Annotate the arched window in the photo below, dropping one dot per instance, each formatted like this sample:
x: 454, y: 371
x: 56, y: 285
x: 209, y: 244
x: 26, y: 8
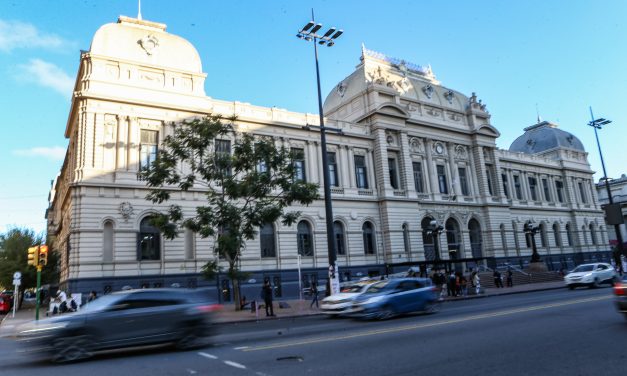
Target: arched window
x: 340, y: 243
x: 543, y: 241
x: 593, y: 234
x: 304, y: 239
x: 148, y: 241
x: 107, y: 242
x: 503, y: 237
x: 266, y: 240
x: 368, y: 235
x: 427, y: 240
x: 406, y: 241
x: 476, y: 241
x: 189, y: 244
x: 569, y: 235
x: 557, y: 235
x: 452, y: 238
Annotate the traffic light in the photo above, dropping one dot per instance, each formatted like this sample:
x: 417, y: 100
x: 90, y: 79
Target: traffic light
x: 33, y: 256
x: 43, y: 255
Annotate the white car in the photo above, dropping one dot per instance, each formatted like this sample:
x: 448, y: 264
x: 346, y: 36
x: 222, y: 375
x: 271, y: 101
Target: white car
x: 342, y: 303
x: 591, y: 275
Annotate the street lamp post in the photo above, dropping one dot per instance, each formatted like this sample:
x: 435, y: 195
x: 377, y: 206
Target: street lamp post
x: 597, y: 124
x: 531, y: 230
x: 309, y: 33
x: 435, y: 230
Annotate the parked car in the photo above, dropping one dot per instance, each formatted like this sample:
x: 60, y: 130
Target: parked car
x: 342, y: 303
x: 123, y: 319
x: 591, y: 275
x: 393, y: 297
x: 6, y: 303
x: 620, y: 295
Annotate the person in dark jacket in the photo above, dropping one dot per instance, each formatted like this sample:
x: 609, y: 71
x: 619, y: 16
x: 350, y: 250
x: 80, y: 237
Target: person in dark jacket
x: 266, y: 292
x: 498, y: 282
x: 314, y: 294
x: 510, y: 279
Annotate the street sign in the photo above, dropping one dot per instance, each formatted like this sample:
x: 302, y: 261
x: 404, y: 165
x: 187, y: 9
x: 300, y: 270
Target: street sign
x: 17, y: 275
x: 17, y: 282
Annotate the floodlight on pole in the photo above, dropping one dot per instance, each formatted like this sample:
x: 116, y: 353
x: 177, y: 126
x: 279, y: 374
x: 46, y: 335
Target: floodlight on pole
x: 308, y: 33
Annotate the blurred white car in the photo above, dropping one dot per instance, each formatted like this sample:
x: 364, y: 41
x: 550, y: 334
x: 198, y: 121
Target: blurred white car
x: 342, y: 303
x: 591, y: 275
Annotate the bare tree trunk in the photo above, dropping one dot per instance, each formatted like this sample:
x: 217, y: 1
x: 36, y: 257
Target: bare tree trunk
x: 236, y: 293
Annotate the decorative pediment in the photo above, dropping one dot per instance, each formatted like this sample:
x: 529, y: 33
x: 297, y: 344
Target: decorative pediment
x: 393, y: 109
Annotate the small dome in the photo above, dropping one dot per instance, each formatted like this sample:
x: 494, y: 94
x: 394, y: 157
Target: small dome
x: 145, y: 42
x: 545, y: 136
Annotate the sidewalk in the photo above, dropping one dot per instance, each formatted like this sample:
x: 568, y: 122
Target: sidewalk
x: 291, y: 308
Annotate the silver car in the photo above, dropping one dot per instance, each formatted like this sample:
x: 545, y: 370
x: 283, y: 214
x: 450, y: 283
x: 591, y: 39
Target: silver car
x: 591, y: 275
x: 123, y: 319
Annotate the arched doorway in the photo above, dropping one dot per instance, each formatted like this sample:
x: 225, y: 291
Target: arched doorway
x: 453, y: 239
x: 476, y: 241
x: 427, y: 240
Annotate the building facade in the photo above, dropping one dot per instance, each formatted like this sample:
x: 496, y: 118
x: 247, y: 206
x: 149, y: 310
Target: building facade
x: 618, y: 187
x: 411, y: 151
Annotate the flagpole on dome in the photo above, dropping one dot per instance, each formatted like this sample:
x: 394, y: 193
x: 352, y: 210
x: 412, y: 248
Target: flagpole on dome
x: 139, y: 9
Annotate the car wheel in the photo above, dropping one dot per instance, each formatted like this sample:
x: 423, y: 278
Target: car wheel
x: 596, y: 283
x: 191, y: 339
x: 571, y: 287
x: 71, y: 349
x: 386, y: 313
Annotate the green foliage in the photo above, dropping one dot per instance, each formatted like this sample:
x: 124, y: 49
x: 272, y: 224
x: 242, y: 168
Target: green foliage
x: 14, y: 256
x: 252, y: 185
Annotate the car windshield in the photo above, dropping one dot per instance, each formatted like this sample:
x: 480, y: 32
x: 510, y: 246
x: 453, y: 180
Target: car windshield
x: 583, y: 268
x: 101, y: 303
x: 377, y: 287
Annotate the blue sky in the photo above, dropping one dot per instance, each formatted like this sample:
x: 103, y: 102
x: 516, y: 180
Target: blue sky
x: 558, y: 56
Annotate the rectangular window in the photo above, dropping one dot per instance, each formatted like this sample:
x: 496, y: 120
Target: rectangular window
x: 547, y: 191
x: 488, y: 173
x: 393, y: 172
x: 463, y: 181
x: 332, y: 162
x: 418, y: 181
x: 298, y: 158
x: 505, y: 185
x: 533, y: 188
x: 148, y: 148
x: 518, y: 187
x: 442, y: 179
x: 223, y: 156
x: 361, y: 173
x: 582, y: 192
x: 559, y: 187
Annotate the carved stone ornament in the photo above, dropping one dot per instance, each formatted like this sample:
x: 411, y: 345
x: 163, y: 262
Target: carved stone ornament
x: 403, y: 84
x: 389, y: 137
x: 341, y: 89
x: 415, y: 145
x: 453, y: 116
x: 149, y: 43
x: 449, y: 96
x: 126, y: 210
x: 428, y: 90
x: 433, y: 112
x: 439, y: 148
x: 461, y: 152
x: 379, y: 78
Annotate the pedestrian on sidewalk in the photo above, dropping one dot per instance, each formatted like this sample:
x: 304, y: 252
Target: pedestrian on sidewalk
x: 266, y: 292
x: 510, y: 279
x: 464, y: 284
x: 498, y: 282
x: 314, y: 293
x: 450, y: 287
x: 476, y: 282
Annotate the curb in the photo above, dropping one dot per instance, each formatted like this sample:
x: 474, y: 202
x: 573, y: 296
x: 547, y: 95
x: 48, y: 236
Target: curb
x: 481, y: 296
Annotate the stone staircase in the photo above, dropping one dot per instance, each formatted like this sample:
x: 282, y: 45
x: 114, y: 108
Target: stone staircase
x: 518, y: 278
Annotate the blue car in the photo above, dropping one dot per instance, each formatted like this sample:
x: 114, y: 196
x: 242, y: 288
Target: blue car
x: 393, y: 297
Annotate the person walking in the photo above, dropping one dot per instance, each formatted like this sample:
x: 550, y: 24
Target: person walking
x: 476, y: 282
x: 464, y: 284
x: 498, y: 282
x: 450, y: 291
x: 266, y: 292
x: 314, y: 294
x: 510, y: 279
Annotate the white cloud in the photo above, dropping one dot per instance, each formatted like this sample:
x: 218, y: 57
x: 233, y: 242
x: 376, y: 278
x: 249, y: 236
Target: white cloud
x: 48, y: 75
x: 54, y: 153
x: 16, y: 34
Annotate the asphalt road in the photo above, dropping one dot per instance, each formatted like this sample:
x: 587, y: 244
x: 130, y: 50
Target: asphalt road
x: 557, y: 332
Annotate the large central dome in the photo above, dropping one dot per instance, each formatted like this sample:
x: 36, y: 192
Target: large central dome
x: 545, y: 136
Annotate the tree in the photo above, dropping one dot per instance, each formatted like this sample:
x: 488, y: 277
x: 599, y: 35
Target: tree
x: 252, y: 184
x: 14, y: 246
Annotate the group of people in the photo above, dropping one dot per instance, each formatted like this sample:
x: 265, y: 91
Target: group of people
x: 498, y: 278
x: 63, y: 304
x: 457, y: 283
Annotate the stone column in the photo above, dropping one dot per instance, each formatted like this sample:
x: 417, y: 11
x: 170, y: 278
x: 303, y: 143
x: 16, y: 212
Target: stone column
x: 431, y: 170
x: 122, y: 143
x: 342, y: 161
x: 453, y: 167
x: 472, y: 174
x: 133, y: 141
x: 351, y: 167
x: 407, y: 170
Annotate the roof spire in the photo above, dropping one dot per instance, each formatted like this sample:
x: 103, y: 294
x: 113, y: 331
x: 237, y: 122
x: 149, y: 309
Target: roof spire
x: 538, y: 115
x: 139, y: 9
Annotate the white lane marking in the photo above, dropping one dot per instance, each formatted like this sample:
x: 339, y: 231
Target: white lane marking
x: 207, y: 355
x: 240, y: 348
x: 191, y: 371
x: 233, y: 364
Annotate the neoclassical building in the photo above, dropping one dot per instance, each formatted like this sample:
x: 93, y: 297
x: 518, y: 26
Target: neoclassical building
x: 411, y: 151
